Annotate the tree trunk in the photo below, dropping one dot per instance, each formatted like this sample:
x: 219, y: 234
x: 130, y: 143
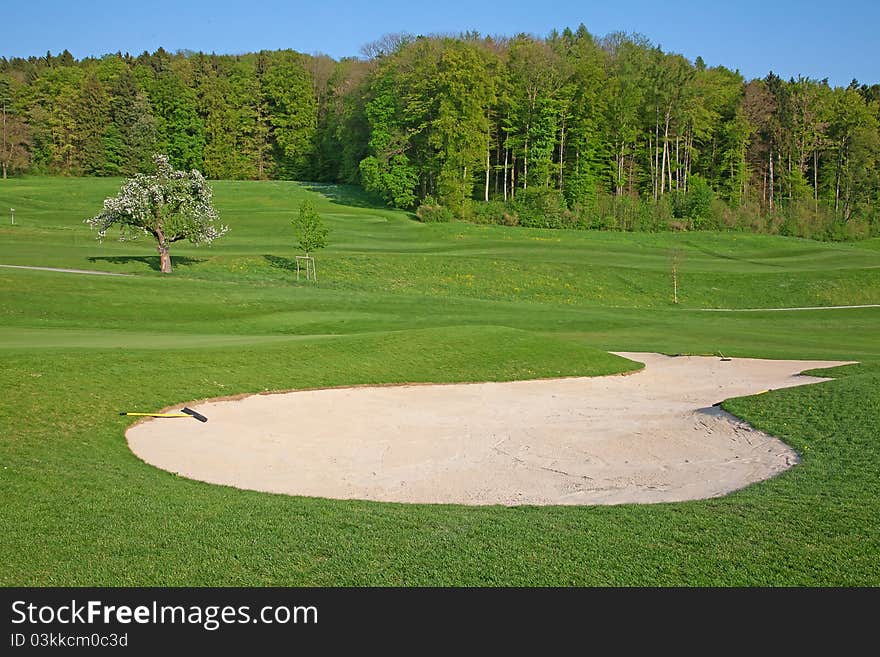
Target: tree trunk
x: 712, y: 175
x: 631, y: 177
x: 526, y: 160
x: 665, y: 148
x: 790, y: 191
x: 512, y: 176
x: 771, y: 179
x: 687, y: 159
x: 5, y: 148
x: 497, y: 160
x: 488, y: 160
x: 164, y: 254
x: 561, y: 150
x: 656, y: 152
x: 846, y: 189
x: 505, y: 173
x: 663, y: 170
x: 164, y: 259
x: 618, y: 185
x: 677, y: 160
x: 674, y: 283
x: 837, y: 179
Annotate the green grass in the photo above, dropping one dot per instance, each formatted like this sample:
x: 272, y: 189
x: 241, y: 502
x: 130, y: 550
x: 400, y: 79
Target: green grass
x: 383, y: 250
x: 399, y: 301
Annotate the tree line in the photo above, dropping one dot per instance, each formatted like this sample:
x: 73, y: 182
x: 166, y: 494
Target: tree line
x: 564, y: 131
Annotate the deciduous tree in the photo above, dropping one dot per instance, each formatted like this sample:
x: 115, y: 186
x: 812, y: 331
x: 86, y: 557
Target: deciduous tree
x: 311, y: 233
x: 14, y: 134
x: 167, y: 205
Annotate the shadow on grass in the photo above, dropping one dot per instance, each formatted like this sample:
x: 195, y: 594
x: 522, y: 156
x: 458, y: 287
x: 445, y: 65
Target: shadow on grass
x: 725, y: 256
x: 352, y: 196
x: 346, y: 195
x: 285, y: 264
x: 151, y: 261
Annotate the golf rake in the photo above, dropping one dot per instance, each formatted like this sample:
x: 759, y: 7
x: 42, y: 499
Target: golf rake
x: 184, y: 412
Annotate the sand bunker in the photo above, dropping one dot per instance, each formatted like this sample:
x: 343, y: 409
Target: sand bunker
x: 652, y: 436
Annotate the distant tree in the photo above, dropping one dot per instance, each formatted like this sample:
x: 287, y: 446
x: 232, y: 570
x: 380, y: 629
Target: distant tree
x: 621, y: 128
x: 459, y: 133
x: 168, y: 205
x: 92, y: 116
x: 311, y: 233
x: 536, y: 82
x: 51, y: 103
x: 387, y: 170
x: 180, y: 129
x: 856, y: 142
x: 131, y: 137
x: 292, y: 113
x: 14, y: 135
x: 386, y: 45
x: 759, y: 108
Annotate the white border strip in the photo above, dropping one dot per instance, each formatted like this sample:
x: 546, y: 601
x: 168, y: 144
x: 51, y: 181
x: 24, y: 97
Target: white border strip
x: 761, y: 310
x: 69, y: 271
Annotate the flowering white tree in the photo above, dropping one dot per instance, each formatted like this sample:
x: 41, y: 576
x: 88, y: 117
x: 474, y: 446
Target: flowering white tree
x: 168, y: 205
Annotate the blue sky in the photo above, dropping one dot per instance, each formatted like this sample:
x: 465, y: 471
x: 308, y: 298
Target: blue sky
x: 837, y: 40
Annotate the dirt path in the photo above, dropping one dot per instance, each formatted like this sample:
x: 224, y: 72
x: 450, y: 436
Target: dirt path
x: 67, y: 271
x: 761, y: 310
x: 653, y: 436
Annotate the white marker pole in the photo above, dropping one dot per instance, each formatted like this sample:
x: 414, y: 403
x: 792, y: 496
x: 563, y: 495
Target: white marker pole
x: 12, y: 210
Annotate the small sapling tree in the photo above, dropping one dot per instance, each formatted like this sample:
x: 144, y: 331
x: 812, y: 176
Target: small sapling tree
x: 167, y: 205
x: 311, y: 235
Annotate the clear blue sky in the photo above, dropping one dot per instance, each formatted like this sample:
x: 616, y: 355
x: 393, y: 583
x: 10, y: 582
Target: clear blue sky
x: 838, y: 40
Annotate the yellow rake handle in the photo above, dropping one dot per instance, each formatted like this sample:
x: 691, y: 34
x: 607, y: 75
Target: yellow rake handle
x: 159, y: 414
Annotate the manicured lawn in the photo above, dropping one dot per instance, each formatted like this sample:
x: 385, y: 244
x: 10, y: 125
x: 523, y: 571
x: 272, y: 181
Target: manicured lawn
x: 400, y: 301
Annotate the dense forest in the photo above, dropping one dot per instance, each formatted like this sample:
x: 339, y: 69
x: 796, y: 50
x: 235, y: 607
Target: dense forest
x: 565, y: 131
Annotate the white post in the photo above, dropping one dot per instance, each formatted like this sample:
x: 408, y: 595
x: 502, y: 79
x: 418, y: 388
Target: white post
x: 12, y: 211
x: 309, y: 263
x: 674, y: 284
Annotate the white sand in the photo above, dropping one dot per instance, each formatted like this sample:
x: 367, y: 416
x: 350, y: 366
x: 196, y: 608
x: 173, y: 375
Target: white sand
x: 652, y: 436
